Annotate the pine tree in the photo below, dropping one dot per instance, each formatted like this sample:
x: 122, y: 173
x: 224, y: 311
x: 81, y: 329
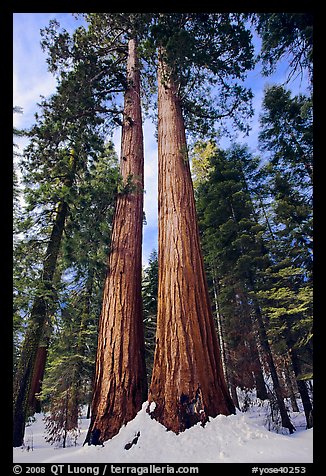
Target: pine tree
x: 61, y: 141
x: 37, y: 321
x: 69, y: 374
x: 287, y: 295
x: 85, y: 247
x: 229, y: 236
x: 60, y: 387
x: 287, y: 133
x: 234, y: 238
x: 286, y: 35
x: 149, y: 295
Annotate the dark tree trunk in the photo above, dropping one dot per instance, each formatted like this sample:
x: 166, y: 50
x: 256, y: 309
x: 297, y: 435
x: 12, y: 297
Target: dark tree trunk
x: 261, y: 390
x: 286, y: 422
x: 37, y: 378
x: 302, y: 387
x: 252, y: 339
x: 221, y: 339
x: 235, y: 396
x: 34, y: 332
x: 290, y: 388
x: 120, y: 375
x: 187, y: 384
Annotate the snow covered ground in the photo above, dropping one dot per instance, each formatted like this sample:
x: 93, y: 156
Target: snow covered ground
x: 240, y: 438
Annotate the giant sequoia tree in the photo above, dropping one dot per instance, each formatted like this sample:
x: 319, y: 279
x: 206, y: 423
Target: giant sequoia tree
x: 120, y: 385
x: 188, y: 384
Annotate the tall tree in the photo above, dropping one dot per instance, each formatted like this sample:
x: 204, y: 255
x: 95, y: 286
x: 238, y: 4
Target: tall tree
x: 84, y: 249
x: 286, y: 136
x: 37, y: 321
x: 234, y: 240
x: 287, y: 133
x: 120, y: 385
x: 229, y: 234
x: 188, y: 384
x: 62, y: 140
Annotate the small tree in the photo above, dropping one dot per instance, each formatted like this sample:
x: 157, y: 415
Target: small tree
x: 149, y: 294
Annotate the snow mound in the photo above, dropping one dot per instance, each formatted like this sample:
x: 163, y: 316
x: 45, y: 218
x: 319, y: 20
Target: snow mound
x: 232, y: 439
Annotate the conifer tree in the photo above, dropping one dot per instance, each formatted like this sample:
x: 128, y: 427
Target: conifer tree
x: 194, y: 51
x: 286, y: 137
x: 61, y: 142
x: 234, y: 238
x: 286, y: 35
x: 229, y: 236
x: 149, y: 295
x: 120, y: 385
x: 69, y: 374
x: 286, y: 133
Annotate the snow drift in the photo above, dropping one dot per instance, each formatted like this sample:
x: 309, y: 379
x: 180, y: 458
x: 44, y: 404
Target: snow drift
x: 240, y: 438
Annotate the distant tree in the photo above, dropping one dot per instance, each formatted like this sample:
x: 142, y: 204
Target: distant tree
x: 286, y: 137
x: 233, y: 237
x: 84, y: 250
x: 149, y: 294
x: 62, y: 387
x: 37, y: 319
x: 286, y: 133
x: 229, y: 231
x: 18, y: 255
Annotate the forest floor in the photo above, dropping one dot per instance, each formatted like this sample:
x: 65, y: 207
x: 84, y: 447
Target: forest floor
x: 246, y: 437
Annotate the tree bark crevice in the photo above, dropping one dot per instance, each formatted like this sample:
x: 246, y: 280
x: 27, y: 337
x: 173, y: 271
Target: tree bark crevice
x: 187, y: 360
x: 121, y: 384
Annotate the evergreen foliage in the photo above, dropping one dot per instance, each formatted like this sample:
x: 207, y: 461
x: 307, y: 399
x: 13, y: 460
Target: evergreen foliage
x: 70, y: 371
x: 209, y: 54
x: 286, y: 35
x: 149, y: 295
x: 64, y: 144
x: 233, y: 250
x: 255, y: 213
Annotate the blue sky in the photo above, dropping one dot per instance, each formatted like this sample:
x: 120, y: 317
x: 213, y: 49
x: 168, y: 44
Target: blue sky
x: 31, y: 79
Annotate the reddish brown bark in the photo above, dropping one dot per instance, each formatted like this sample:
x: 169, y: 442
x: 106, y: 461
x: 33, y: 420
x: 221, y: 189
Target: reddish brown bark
x: 120, y: 379
x: 187, y: 381
x: 37, y: 378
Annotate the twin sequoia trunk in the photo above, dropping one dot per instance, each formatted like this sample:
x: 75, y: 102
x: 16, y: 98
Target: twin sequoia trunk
x: 187, y: 382
x: 120, y: 380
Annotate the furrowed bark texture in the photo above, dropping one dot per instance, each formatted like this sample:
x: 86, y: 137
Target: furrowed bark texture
x: 120, y: 380
x: 187, y: 382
